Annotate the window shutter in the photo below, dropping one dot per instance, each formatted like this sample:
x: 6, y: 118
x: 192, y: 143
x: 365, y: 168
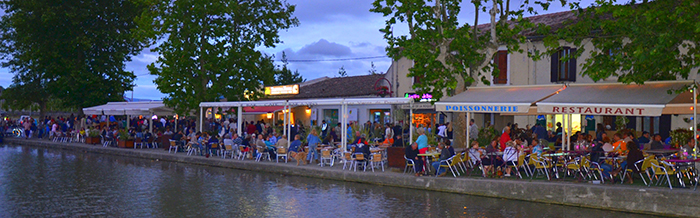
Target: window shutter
x: 572, y: 66
x: 555, y: 67
x: 501, y: 61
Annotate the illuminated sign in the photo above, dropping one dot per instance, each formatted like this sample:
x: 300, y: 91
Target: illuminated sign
x: 482, y: 108
x: 427, y: 97
x: 282, y: 90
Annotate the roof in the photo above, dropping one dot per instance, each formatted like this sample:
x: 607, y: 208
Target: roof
x: 554, y: 20
x: 337, y: 87
x: 130, y: 108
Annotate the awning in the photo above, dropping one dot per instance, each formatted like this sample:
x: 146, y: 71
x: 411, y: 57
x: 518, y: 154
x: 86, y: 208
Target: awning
x: 261, y: 109
x: 497, y: 99
x: 649, y: 99
x: 130, y: 108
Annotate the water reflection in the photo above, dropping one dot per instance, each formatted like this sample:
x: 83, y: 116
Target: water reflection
x: 46, y: 182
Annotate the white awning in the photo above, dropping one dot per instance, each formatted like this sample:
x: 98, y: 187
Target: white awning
x: 649, y: 99
x: 497, y: 99
x: 130, y: 108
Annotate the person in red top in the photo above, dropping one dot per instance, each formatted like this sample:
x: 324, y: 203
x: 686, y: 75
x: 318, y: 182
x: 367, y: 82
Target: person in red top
x: 505, y: 138
x: 250, y: 129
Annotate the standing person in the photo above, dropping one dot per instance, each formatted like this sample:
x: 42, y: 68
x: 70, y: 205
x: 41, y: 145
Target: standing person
x: 324, y: 129
x: 442, y: 131
x: 313, y: 142
x: 422, y: 141
x: 412, y: 154
x: 473, y: 130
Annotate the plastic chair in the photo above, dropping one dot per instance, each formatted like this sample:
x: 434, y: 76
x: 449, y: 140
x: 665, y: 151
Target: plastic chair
x: 326, y: 157
x: 348, y: 160
x: 137, y: 142
x: 242, y: 153
x: 282, y: 152
x: 173, y: 146
x: 191, y: 149
x: 541, y: 166
x: 228, y: 150
x: 360, y: 160
x: 450, y: 164
x: 409, y: 163
x: 661, y: 171
x: 214, y: 146
x: 630, y: 171
x: 521, y: 164
x: 376, y: 160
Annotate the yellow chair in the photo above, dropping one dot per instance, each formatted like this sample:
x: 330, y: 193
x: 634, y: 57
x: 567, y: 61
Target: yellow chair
x: 541, y: 166
x: 662, y: 170
x: 409, y: 163
x: 450, y: 163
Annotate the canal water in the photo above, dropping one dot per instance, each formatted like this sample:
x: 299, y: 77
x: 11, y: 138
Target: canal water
x: 37, y: 182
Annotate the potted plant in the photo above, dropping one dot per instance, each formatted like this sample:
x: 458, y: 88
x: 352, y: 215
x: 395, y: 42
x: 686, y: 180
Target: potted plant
x: 125, y: 140
x: 93, y: 137
x: 680, y: 137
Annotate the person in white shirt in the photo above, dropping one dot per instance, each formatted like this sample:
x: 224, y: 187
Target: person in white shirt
x: 442, y: 130
x: 510, y: 155
x: 388, y: 133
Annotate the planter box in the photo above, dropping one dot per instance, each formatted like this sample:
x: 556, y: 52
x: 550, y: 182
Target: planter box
x: 395, y: 156
x: 92, y: 140
x: 125, y: 144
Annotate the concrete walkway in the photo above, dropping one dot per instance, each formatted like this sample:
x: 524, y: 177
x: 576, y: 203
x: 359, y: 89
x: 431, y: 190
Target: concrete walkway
x: 629, y: 198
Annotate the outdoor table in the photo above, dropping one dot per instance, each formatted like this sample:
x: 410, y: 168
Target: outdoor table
x: 684, y: 164
x: 662, y: 152
x: 427, y: 160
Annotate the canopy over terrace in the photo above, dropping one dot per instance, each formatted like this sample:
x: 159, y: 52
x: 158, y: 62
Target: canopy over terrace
x: 618, y: 99
x: 498, y: 99
x: 131, y: 108
x: 343, y: 102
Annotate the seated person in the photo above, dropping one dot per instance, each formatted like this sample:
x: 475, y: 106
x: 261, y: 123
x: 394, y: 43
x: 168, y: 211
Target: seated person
x: 398, y: 142
x: 445, y: 154
x: 412, y: 154
x: 510, y: 156
x: 475, y: 153
x: 656, y: 144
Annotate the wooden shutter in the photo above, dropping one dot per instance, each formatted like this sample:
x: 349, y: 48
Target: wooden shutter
x: 572, y: 65
x: 501, y: 61
x: 555, y: 67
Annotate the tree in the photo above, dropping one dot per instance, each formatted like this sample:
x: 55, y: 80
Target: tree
x: 342, y: 72
x: 284, y: 76
x: 448, y: 55
x: 636, y: 41
x: 73, y: 50
x: 372, y: 69
x: 209, y: 51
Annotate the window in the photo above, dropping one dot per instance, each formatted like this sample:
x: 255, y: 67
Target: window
x: 563, y: 67
x: 500, y: 61
x: 417, y: 79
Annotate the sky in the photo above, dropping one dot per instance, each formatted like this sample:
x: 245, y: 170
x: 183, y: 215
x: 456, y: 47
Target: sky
x: 338, y: 29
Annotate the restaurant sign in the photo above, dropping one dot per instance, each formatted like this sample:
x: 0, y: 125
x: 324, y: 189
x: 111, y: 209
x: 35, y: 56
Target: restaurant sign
x: 647, y: 110
x: 482, y: 108
x: 282, y: 90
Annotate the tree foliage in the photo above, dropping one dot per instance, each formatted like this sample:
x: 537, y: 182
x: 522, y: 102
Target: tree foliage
x: 285, y: 76
x: 71, y: 50
x: 449, y: 54
x: 209, y: 50
x: 635, y: 41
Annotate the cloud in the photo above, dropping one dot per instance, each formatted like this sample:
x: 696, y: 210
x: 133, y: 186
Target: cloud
x: 325, y: 48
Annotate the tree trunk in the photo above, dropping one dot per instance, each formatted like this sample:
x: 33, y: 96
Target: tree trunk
x: 459, y: 124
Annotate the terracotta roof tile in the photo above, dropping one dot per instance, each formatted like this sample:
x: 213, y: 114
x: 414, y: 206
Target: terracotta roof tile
x: 338, y: 87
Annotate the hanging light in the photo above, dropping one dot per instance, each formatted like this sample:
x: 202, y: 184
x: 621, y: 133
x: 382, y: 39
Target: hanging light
x: 308, y: 110
x: 269, y: 115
